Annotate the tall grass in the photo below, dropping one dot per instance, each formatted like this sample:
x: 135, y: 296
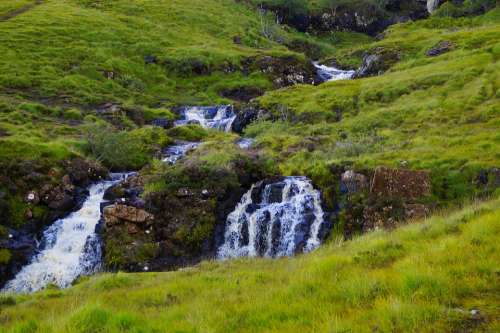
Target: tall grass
x: 423, y: 277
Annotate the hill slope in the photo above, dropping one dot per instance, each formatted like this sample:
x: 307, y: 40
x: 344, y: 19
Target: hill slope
x: 424, y: 277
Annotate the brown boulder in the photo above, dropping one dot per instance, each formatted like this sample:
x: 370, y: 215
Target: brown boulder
x: 116, y: 213
x: 55, y: 197
x: 82, y: 172
x: 405, y: 184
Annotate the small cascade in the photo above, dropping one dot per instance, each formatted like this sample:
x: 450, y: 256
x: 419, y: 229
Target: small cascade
x: 245, y: 143
x: 175, y: 152
x: 219, y: 117
x: 70, y: 247
x: 275, y: 219
x: 326, y: 73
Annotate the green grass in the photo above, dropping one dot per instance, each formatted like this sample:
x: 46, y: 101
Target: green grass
x: 9, y: 6
x: 440, y: 113
x: 94, y: 51
x: 424, y: 277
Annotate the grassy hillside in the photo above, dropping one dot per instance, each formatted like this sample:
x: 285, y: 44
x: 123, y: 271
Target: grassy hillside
x: 437, y: 113
x: 90, y: 52
x: 424, y: 277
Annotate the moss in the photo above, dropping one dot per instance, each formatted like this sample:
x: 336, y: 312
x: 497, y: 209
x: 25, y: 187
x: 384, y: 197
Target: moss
x: 5, y: 256
x: 188, y: 133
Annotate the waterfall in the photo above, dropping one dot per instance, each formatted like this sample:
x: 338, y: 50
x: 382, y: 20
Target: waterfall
x: 274, y: 220
x: 175, y: 152
x: 432, y: 5
x: 70, y: 247
x: 219, y: 117
x: 326, y: 73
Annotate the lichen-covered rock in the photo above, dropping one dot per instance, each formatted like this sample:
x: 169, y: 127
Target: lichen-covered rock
x: 401, y: 183
x: 376, y: 62
x: 118, y: 213
x: 440, y: 48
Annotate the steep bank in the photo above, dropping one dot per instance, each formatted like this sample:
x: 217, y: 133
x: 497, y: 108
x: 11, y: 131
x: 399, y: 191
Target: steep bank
x: 440, y: 275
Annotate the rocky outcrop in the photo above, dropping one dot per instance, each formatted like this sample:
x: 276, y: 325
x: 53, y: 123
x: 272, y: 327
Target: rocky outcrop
x: 361, y: 16
x: 179, y: 225
x: 401, y: 183
x: 384, y: 198
x: 244, y: 118
x: 440, y: 48
x: 376, y: 62
x: 352, y: 182
x: 283, y: 71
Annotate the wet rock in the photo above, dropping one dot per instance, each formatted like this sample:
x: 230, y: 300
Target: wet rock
x: 237, y: 40
x: 56, y: 198
x: 440, y: 48
x: 193, y: 122
x: 130, y: 188
x: 150, y: 59
x: 244, y: 118
x: 274, y: 192
x: 163, y: 123
x: 376, y: 62
x: 83, y: 172
x: 401, y: 183
x: 118, y: 213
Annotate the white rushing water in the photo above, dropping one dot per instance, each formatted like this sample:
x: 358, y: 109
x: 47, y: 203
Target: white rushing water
x: 219, y: 117
x: 280, y: 219
x: 332, y: 74
x: 245, y: 143
x: 70, y: 247
x: 175, y: 152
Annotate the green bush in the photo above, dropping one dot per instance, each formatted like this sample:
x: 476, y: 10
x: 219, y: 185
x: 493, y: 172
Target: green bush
x: 118, y: 150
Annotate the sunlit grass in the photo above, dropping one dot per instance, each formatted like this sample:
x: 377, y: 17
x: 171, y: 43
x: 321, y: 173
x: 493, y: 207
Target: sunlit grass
x: 424, y: 277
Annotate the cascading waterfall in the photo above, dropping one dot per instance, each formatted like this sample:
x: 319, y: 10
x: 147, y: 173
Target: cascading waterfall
x: 326, y: 73
x: 274, y: 220
x: 70, y: 247
x: 175, y: 152
x: 219, y: 117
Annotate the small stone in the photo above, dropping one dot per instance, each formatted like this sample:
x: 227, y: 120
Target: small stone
x: 33, y: 198
x: 474, y: 312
